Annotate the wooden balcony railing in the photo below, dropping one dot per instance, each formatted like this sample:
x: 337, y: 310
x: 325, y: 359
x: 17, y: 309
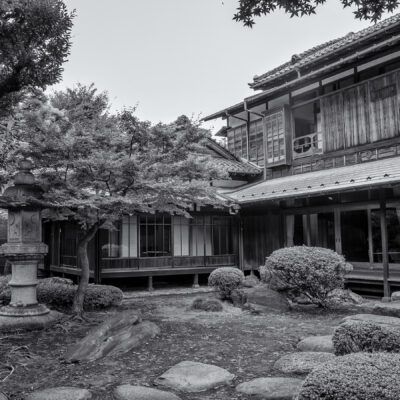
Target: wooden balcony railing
x: 307, y: 145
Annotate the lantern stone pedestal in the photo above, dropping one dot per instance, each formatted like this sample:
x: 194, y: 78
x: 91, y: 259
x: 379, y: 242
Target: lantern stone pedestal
x: 24, y: 249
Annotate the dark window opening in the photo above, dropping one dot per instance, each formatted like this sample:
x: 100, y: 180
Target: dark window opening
x: 155, y: 236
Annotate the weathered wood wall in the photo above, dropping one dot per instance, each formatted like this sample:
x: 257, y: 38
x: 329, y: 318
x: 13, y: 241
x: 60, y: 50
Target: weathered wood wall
x: 262, y: 234
x: 361, y: 114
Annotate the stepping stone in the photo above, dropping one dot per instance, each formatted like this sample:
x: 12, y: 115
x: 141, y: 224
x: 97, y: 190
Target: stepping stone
x: 271, y: 388
x: 302, y: 363
x: 321, y: 344
x: 376, y: 319
x: 129, y: 392
x: 190, y: 376
x: 60, y: 393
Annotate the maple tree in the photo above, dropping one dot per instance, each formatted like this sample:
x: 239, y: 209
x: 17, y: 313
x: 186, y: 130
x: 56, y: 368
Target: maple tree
x: 96, y: 167
x: 365, y: 9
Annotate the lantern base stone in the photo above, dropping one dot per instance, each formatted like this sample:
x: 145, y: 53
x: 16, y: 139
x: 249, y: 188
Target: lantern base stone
x: 29, y: 323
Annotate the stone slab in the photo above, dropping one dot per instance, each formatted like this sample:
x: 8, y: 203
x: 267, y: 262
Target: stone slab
x: 117, y: 335
x: 3, y: 396
x: 190, y: 376
x: 264, y: 299
x: 29, y: 323
x: 377, y: 319
x: 391, y: 309
x: 60, y: 393
x: 130, y: 392
x: 302, y: 363
x: 322, y: 344
x: 271, y: 388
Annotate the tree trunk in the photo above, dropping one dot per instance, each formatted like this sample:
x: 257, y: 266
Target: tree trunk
x: 83, y: 260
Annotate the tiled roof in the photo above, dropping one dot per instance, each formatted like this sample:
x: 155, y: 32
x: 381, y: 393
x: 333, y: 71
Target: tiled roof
x: 324, y: 50
x: 357, y: 176
x: 236, y: 167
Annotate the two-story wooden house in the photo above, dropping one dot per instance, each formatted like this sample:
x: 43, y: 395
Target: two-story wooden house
x: 325, y: 128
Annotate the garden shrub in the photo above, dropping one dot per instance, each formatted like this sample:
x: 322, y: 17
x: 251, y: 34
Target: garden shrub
x: 60, y: 296
x: 358, y: 376
x: 226, y: 279
x: 302, y: 270
x: 206, y: 304
x: 355, y: 336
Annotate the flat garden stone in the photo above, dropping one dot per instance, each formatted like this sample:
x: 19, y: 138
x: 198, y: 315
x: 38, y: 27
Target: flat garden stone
x: 377, y: 319
x: 130, y: 392
x: 3, y: 396
x: 302, y: 363
x: 190, y: 376
x: 60, y: 393
x: 395, y: 296
x: 271, y: 388
x: 322, y: 344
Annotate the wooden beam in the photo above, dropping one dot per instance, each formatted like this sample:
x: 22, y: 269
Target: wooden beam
x: 384, y: 237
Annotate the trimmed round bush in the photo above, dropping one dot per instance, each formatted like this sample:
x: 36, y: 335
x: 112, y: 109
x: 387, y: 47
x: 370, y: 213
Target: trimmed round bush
x: 226, y: 279
x: 58, y: 293
x: 206, y: 305
x: 309, y: 271
x: 355, y: 336
x: 358, y: 376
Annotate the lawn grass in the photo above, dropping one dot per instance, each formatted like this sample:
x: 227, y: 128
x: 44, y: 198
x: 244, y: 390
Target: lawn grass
x: 245, y: 344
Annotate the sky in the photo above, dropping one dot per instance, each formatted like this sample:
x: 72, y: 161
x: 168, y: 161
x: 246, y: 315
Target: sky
x: 174, y: 57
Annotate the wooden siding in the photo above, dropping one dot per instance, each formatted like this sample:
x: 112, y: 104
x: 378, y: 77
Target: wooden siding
x: 262, y: 234
x: 362, y: 114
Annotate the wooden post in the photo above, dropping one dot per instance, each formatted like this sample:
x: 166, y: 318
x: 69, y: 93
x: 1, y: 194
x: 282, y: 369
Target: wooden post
x: 289, y: 230
x: 384, y: 236
x: 241, y: 255
x: 150, y: 284
x: 338, y: 231
x: 370, y: 243
x: 97, y: 274
x: 195, y: 281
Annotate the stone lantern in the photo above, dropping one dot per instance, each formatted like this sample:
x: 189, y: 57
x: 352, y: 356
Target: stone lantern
x: 24, y: 250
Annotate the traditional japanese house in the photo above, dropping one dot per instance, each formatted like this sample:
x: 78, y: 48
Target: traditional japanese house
x: 157, y: 244
x: 324, y: 127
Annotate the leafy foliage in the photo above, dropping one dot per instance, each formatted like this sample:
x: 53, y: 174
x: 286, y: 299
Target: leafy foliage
x: 34, y: 43
x: 206, y: 305
x: 302, y: 270
x: 365, y: 9
x: 355, y: 336
x: 226, y: 279
x: 96, y: 167
x: 359, y: 376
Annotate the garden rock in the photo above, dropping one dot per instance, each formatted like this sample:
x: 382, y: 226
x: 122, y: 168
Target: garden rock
x: 3, y: 396
x: 129, y: 392
x: 271, y: 388
x: 264, y: 299
x: 302, y: 363
x: 250, y: 281
x: 189, y: 376
x: 395, y: 296
x: 117, y: 335
x: 321, y: 344
x: 376, y: 319
x: 60, y: 393
x: 345, y: 296
x: 379, y: 308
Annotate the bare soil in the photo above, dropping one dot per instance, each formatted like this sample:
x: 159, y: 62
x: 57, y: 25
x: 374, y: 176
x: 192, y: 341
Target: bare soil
x: 245, y: 344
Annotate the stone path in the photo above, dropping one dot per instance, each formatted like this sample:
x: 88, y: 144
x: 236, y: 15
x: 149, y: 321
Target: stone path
x: 271, y: 388
x: 322, y: 344
x: 189, y: 376
x: 302, y: 363
x: 60, y: 393
x: 129, y: 392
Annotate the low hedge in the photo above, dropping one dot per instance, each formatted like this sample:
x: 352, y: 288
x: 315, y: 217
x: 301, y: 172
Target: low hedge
x: 359, y: 376
x: 225, y: 280
x: 309, y: 271
x: 58, y: 293
x: 206, y: 305
x: 355, y: 336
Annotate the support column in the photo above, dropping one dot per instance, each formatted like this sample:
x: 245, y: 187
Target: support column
x: 195, y: 281
x: 241, y: 254
x: 150, y: 284
x: 384, y: 237
x: 338, y: 231
x: 289, y: 230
